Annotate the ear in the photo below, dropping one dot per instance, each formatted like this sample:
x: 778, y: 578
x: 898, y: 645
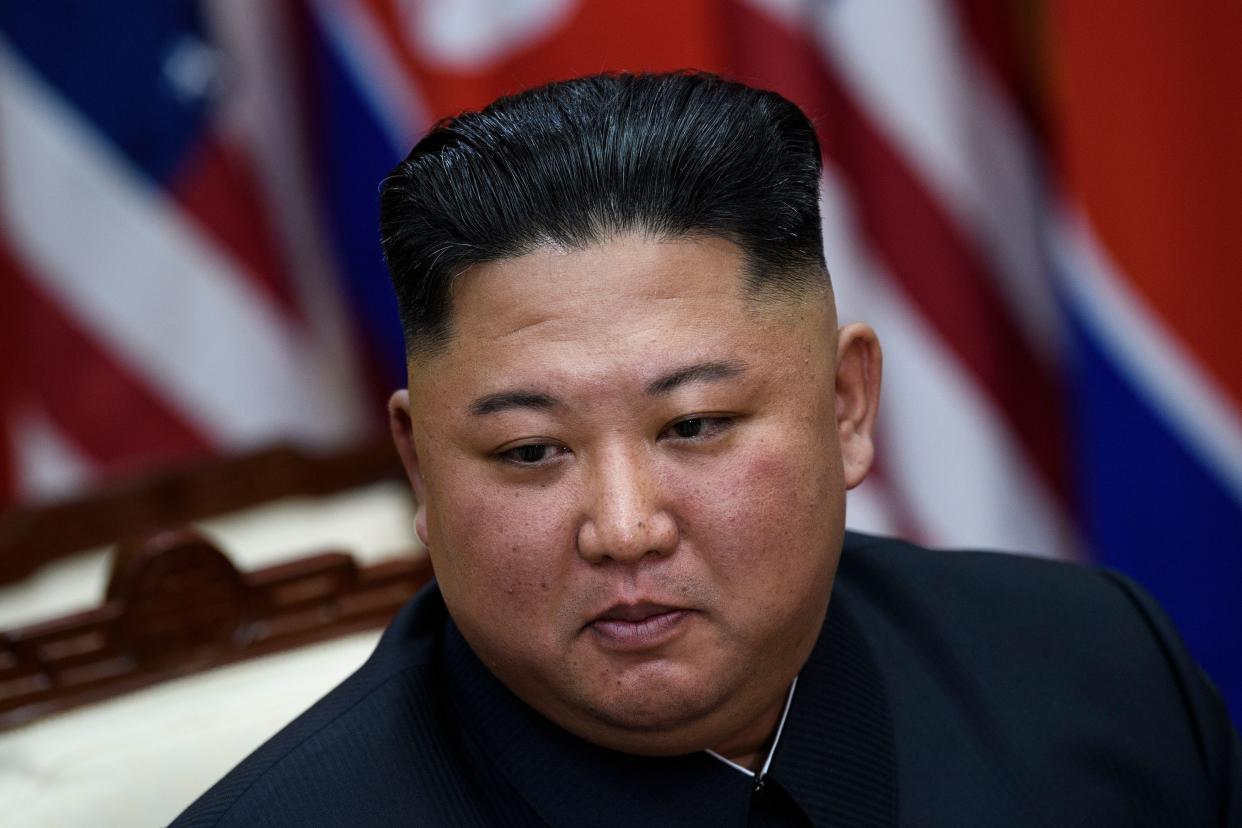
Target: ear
x: 859, y: 364
x: 403, y: 437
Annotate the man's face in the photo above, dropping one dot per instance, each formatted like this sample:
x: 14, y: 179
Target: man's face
x: 632, y: 483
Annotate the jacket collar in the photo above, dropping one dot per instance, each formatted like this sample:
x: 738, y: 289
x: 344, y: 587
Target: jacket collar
x: 837, y: 757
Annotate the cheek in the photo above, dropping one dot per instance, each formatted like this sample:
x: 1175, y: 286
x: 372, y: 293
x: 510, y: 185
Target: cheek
x: 763, y: 487
x: 498, y: 553
x: 765, y: 516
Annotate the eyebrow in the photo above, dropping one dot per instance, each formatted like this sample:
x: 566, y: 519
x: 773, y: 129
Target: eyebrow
x: 699, y: 372
x: 505, y: 400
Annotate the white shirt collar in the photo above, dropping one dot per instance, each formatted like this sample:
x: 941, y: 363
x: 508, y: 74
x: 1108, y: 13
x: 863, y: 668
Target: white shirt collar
x: 763, y: 771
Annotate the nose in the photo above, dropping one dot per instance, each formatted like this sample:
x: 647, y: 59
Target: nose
x: 626, y: 517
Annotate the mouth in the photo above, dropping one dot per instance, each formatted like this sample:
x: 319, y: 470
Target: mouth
x: 641, y: 626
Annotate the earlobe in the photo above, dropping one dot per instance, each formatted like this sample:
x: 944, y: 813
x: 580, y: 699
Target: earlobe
x: 403, y: 438
x: 859, y: 369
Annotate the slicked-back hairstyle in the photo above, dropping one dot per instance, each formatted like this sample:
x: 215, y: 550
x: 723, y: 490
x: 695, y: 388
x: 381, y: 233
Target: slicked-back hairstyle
x: 574, y: 163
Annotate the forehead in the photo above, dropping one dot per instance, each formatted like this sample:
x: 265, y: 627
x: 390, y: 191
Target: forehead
x: 611, y: 311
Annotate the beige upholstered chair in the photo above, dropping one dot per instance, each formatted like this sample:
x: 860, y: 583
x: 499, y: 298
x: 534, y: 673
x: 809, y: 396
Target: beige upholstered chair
x: 122, y: 711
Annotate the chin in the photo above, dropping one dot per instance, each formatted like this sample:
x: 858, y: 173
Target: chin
x: 655, y: 709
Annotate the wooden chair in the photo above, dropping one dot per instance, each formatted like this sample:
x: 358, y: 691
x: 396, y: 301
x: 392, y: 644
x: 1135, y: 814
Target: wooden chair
x: 196, y: 649
x: 175, y: 604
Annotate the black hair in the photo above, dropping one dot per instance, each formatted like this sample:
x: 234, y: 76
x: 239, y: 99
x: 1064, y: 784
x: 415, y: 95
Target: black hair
x: 575, y: 162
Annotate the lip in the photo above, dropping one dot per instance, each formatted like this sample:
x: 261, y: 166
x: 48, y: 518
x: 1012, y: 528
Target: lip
x: 640, y: 626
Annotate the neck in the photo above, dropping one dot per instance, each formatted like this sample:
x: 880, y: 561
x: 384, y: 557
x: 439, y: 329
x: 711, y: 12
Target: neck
x: 749, y: 747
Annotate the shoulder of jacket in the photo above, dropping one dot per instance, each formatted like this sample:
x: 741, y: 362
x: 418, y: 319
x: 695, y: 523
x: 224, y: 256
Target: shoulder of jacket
x: 391, y: 690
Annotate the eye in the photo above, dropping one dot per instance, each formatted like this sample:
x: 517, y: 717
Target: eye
x: 688, y: 428
x: 698, y: 428
x: 531, y: 454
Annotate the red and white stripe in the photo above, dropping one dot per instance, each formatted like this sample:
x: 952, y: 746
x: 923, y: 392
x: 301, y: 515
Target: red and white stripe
x: 157, y: 324
x: 932, y: 235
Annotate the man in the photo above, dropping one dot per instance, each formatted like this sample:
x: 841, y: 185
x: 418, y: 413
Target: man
x: 630, y: 426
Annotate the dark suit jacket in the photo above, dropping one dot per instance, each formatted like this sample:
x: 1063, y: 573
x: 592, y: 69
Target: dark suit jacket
x: 954, y: 689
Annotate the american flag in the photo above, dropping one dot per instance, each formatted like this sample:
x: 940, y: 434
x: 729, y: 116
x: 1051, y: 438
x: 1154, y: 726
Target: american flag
x: 1035, y: 204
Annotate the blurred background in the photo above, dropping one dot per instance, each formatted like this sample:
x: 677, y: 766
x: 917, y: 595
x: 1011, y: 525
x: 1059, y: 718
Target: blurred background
x: 1035, y: 204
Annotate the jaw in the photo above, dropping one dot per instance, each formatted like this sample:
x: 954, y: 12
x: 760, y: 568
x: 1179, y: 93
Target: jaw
x: 672, y: 702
